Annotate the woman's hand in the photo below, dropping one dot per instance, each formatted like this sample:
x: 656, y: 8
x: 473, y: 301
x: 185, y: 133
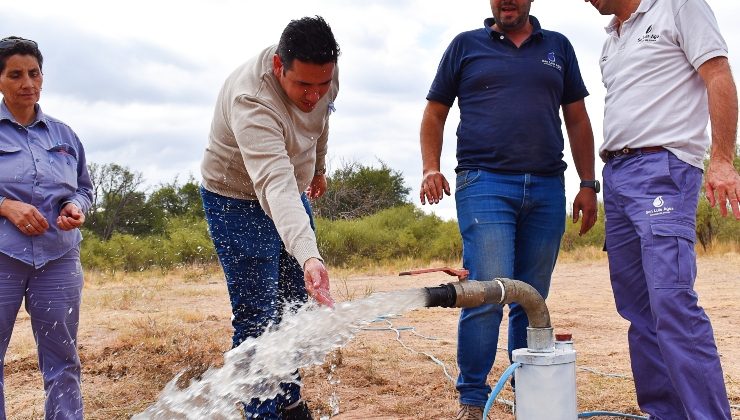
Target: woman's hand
x: 24, y: 216
x: 70, y: 217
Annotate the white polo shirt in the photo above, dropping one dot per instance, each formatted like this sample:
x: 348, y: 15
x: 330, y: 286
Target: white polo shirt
x: 655, y: 96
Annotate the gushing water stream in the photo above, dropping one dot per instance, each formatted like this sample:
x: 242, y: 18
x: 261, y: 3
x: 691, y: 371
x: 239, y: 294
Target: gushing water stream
x: 258, y: 365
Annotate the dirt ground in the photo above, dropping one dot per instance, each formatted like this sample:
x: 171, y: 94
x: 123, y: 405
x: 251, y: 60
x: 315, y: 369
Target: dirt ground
x: 138, y: 330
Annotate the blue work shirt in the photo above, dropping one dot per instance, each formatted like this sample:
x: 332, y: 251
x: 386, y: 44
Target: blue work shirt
x: 42, y: 164
x: 509, y: 98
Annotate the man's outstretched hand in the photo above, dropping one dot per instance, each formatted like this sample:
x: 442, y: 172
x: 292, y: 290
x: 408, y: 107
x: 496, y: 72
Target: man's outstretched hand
x: 317, y: 281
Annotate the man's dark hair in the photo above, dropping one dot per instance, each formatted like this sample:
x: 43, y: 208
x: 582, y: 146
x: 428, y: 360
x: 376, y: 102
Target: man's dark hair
x: 310, y: 40
x: 13, y: 45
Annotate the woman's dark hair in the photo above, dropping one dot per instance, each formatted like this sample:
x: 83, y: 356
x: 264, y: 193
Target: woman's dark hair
x: 309, y: 39
x: 13, y: 45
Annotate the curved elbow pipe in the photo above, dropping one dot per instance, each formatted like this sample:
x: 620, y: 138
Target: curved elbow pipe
x: 469, y: 294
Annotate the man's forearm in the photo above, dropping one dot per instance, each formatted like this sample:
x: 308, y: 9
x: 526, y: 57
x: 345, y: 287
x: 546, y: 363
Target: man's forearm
x: 431, y: 135
x: 431, y: 151
x: 723, y: 107
x: 581, y: 139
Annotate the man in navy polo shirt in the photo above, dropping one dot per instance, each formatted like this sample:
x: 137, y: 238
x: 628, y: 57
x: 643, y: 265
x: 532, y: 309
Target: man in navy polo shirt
x: 511, y: 78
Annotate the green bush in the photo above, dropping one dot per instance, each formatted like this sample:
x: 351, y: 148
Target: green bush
x: 398, y: 233
x: 185, y: 241
x: 121, y: 252
x: 712, y: 228
x: 355, y: 191
x: 594, y: 237
x: 188, y: 242
x: 392, y: 234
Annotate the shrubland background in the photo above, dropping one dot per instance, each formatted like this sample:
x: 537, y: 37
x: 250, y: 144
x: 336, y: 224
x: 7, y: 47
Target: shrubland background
x: 365, y: 219
x: 155, y: 305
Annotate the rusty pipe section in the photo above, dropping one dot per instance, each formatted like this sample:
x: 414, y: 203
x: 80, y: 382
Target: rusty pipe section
x: 469, y: 294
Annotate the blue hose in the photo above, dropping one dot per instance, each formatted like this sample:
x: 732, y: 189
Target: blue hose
x: 499, y: 386
x: 587, y: 414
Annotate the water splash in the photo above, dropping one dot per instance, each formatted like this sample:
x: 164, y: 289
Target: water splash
x: 257, y: 367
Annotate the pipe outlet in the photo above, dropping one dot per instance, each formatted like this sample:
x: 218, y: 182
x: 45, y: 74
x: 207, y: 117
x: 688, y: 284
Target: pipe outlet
x: 473, y: 293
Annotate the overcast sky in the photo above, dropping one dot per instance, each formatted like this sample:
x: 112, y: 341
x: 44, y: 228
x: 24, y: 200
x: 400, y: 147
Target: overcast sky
x: 137, y: 80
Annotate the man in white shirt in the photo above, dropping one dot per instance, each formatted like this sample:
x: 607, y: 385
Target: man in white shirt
x: 665, y: 68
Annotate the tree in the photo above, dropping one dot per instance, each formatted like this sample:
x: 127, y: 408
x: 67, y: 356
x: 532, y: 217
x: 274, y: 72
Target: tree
x: 189, y: 193
x: 178, y: 200
x: 114, y: 188
x: 141, y: 217
x: 356, y: 190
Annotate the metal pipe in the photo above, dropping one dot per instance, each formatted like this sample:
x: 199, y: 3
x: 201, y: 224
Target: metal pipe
x: 469, y: 294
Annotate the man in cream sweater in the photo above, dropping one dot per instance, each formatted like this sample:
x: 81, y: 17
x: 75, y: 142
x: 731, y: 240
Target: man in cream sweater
x: 265, y: 158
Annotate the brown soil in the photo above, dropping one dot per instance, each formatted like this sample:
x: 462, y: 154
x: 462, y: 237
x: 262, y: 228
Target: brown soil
x: 139, y: 330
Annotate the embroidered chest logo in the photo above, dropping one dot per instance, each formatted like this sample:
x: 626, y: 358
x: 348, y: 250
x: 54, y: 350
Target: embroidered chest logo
x: 550, y: 61
x: 649, y: 36
x: 660, y: 207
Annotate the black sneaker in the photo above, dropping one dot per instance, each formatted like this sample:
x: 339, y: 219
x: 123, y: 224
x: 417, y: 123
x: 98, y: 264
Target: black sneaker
x: 299, y: 412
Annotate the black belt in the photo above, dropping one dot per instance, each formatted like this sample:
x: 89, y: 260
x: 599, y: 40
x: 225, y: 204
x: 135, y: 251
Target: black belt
x: 607, y: 155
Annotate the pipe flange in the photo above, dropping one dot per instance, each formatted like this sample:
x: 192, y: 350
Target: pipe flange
x: 503, y: 291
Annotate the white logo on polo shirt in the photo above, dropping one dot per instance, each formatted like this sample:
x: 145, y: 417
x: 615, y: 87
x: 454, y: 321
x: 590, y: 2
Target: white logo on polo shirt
x: 551, y: 61
x: 649, y: 36
x: 660, y: 207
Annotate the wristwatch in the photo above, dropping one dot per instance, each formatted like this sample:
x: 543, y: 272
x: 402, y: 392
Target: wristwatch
x: 592, y: 184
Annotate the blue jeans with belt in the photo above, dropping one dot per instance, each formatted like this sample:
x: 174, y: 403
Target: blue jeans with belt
x: 650, y: 201
x: 511, y: 226
x: 262, y: 278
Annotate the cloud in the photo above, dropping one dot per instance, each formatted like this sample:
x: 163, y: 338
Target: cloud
x: 93, y: 68
x: 137, y: 80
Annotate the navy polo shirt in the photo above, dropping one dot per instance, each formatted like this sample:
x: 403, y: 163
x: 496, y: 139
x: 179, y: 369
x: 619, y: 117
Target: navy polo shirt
x: 509, y: 98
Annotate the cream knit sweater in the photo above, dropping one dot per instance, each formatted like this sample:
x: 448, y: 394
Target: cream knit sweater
x: 262, y: 147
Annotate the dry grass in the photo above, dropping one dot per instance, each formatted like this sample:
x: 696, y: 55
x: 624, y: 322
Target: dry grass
x: 138, y: 330
x: 586, y: 253
x: 720, y: 248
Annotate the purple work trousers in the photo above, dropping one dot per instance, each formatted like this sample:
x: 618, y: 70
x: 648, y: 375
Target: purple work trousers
x: 650, y: 202
x: 52, y: 297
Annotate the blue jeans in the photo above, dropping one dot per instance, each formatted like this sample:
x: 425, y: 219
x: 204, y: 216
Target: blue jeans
x: 650, y: 202
x: 262, y: 278
x: 511, y: 226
